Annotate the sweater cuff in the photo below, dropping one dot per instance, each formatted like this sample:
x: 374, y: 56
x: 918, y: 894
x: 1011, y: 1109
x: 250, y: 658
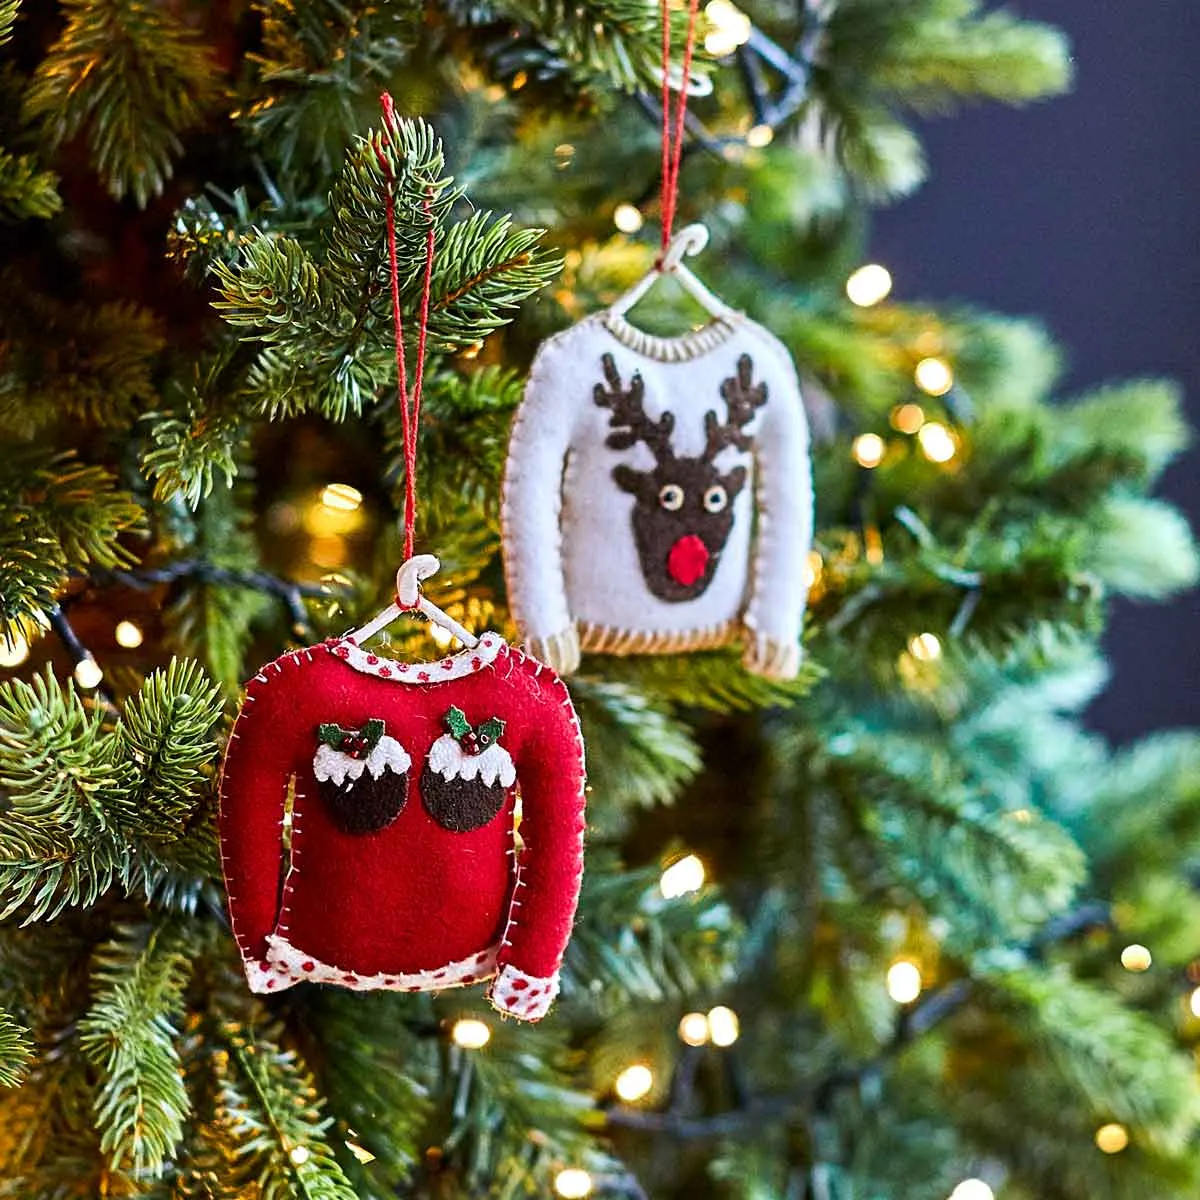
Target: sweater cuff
x: 266, y: 978
x: 525, y: 997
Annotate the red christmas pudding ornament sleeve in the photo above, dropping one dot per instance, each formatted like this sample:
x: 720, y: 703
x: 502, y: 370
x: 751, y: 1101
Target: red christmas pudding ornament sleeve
x: 398, y: 862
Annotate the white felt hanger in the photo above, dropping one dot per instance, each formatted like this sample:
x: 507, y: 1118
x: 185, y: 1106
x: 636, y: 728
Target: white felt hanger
x: 409, y: 599
x: 688, y: 241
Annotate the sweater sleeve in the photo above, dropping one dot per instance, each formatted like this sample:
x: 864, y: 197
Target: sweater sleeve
x: 531, y: 513
x: 259, y: 761
x: 550, y: 772
x: 784, y: 499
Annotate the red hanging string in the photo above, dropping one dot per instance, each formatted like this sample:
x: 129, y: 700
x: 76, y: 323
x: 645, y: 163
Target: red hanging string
x: 672, y: 126
x: 410, y: 401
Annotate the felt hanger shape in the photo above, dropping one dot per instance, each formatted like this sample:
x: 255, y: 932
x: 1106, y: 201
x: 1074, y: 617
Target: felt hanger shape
x: 688, y: 241
x: 409, y: 599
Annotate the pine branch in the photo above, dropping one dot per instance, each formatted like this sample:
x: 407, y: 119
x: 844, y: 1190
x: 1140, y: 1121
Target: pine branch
x: 602, y: 45
x: 324, y: 317
x: 633, y: 946
x: 26, y: 191
x: 715, y: 681
x: 69, y: 785
x: 638, y: 753
x: 8, y: 18
x: 129, y: 1033
x: 55, y: 513
x: 16, y: 1050
x: 134, y: 79
x: 164, y: 741
x: 274, y: 1111
x: 92, y: 363
x: 208, y: 618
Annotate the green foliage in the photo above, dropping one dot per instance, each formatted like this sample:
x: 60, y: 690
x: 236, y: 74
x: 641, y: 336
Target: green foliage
x: 274, y: 1112
x: 55, y: 514
x: 16, y: 1049
x: 928, y: 56
x: 26, y: 191
x: 318, y: 74
x: 8, y: 17
x: 164, y: 740
x: 128, y: 1034
x: 638, y: 753
x: 208, y: 619
x: 93, y: 364
x: 325, y: 320
x: 614, y: 44
x: 1119, y: 1062
x: 132, y: 78
x: 632, y: 945
x: 71, y: 783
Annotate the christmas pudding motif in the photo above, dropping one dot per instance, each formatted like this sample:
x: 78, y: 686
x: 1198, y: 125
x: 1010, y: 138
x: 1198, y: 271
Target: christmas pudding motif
x: 683, y: 506
x: 468, y: 773
x: 362, y: 776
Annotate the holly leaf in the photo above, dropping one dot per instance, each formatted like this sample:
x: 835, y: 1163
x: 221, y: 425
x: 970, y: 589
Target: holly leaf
x: 491, y: 730
x: 457, y: 723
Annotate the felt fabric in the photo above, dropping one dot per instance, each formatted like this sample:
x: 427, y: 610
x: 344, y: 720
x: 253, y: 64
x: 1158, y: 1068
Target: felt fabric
x: 408, y: 902
x: 658, y: 495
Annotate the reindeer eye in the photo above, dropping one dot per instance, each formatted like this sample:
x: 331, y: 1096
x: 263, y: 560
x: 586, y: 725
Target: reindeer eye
x: 670, y: 496
x: 715, y: 498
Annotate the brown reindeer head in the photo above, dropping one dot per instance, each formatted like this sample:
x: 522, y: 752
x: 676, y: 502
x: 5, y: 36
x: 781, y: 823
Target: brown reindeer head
x: 684, y: 506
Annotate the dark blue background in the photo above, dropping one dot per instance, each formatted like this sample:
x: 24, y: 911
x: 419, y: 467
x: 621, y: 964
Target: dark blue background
x: 1085, y: 211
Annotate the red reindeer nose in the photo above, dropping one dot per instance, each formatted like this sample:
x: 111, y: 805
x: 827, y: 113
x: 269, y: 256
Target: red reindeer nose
x: 687, y: 560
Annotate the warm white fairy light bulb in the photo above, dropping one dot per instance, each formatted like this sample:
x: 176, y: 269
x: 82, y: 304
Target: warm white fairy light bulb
x: 1136, y: 958
x: 341, y: 497
x: 88, y: 672
x: 299, y: 1155
x: 682, y: 877
x: 972, y: 1189
x: 693, y: 1029
x: 128, y: 634
x: 1194, y: 1003
x: 634, y: 1082
x: 1112, y: 1138
x: 908, y: 418
x: 728, y: 28
x: 573, y: 1183
x: 723, y: 1026
x: 14, y: 650
x: 925, y: 647
x: 627, y: 218
x: 904, y: 981
x: 934, y: 376
x: 760, y: 136
x: 868, y: 450
x: 937, y: 442
x: 870, y: 284
x: 471, y: 1034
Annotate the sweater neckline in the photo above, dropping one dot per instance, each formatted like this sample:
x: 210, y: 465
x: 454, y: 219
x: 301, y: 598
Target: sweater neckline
x: 683, y: 348
x: 443, y: 670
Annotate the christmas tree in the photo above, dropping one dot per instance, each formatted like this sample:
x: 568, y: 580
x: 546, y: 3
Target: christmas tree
x: 898, y: 929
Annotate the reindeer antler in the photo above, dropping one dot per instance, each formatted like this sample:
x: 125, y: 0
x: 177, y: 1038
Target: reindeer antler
x: 742, y: 399
x: 629, y: 422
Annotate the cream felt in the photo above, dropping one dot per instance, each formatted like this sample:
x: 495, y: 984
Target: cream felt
x: 526, y: 997
x: 571, y: 557
x: 450, y: 761
x: 331, y: 764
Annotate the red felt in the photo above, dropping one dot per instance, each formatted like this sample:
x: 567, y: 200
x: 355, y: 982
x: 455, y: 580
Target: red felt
x: 687, y: 560
x: 414, y: 895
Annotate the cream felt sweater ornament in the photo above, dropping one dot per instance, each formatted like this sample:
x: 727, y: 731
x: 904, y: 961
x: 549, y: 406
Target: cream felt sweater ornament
x: 658, y: 493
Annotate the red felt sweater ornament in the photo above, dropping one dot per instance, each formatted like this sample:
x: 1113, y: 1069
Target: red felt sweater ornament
x: 398, y: 863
